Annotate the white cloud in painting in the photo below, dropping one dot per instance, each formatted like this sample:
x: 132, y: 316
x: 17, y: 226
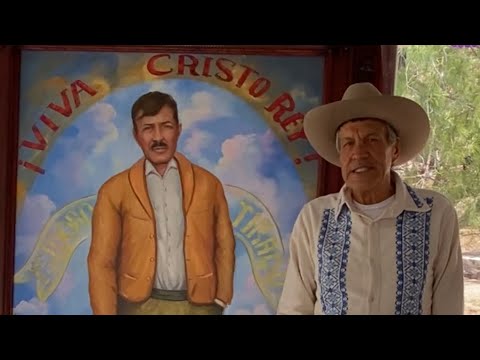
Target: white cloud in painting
x: 101, y: 127
x: 37, y: 209
x: 300, y: 95
x: 241, y: 164
x: 243, y: 158
x: 95, y: 132
x: 31, y: 307
x: 201, y: 106
x: 196, y: 142
x: 167, y: 87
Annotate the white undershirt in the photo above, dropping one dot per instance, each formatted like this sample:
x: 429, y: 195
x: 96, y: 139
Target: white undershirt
x: 373, y: 211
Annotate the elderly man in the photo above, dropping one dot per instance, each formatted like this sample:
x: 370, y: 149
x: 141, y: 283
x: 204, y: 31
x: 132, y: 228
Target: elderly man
x: 378, y: 246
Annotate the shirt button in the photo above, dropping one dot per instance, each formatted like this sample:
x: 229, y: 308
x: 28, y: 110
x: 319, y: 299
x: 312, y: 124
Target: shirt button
x: 151, y: 236
x: 152, y: 259
x: 371, y: 299
x: 148, y: 278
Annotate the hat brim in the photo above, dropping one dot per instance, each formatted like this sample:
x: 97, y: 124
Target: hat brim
x: 406, y: 116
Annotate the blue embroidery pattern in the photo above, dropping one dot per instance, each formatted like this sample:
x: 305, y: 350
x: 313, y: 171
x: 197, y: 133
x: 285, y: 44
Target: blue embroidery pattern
x: 333, y: 248
x: 414, y: 196
x: 412, y: 255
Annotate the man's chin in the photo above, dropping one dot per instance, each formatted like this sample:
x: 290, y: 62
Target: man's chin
x: 361, y: 185
x: 159, y: 158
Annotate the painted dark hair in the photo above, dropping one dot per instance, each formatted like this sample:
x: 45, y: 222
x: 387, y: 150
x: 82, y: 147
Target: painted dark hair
x: 151, y: 103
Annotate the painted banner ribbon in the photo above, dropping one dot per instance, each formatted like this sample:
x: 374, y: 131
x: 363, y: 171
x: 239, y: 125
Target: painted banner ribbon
x: 253, y: 225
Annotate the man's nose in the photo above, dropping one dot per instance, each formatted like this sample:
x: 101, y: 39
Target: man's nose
x: 359, y: 151
x: 157, y: 134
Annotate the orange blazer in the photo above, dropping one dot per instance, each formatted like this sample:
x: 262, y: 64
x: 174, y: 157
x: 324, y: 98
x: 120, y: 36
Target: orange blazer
x: 122, y: 255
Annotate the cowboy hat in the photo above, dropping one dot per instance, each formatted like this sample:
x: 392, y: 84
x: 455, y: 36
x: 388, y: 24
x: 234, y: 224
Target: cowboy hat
x: 363, y: 100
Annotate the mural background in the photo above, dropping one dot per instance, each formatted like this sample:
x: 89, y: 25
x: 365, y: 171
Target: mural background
x: 85, y: 137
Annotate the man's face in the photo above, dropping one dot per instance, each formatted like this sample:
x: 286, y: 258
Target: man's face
x: 158, y: 136
x: 366, y: 156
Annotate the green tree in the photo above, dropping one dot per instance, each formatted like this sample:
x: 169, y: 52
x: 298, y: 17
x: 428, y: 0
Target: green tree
x: 445, y: 81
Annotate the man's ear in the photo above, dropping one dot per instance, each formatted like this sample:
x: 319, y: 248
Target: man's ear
x: 179, y: 128
x: 396, y: 151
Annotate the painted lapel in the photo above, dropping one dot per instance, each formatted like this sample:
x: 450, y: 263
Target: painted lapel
x: 187, y: 179
x: 138, y: 183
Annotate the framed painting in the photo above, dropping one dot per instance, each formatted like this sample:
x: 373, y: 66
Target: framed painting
x: 241, y: 112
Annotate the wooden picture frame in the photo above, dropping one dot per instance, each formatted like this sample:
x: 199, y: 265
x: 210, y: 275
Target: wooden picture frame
x: 343, y: 65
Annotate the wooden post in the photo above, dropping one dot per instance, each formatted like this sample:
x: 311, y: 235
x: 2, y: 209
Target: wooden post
x: 9, y: 92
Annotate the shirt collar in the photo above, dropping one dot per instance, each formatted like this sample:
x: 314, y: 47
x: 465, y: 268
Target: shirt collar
x: 150, y: 169
x: 406, y: 199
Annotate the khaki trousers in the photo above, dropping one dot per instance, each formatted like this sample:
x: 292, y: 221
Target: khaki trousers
x: 167, y: 303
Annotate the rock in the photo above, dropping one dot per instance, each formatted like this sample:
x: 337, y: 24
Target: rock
x: 471, y: 266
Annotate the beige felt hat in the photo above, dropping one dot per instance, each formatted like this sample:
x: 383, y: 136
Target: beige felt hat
x: 363, y: 100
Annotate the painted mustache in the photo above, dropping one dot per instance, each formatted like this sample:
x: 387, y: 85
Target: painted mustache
x: 158, y: 144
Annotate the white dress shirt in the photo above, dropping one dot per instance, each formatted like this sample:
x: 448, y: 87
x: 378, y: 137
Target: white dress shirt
x: 165, y: 194
x: 407, y: 260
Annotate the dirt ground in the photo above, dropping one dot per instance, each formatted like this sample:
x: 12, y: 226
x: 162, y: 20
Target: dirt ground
x: 470, y: 242
x: 472, y: 297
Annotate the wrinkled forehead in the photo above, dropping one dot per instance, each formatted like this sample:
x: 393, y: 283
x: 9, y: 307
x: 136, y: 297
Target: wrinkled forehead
x: 361, y: 125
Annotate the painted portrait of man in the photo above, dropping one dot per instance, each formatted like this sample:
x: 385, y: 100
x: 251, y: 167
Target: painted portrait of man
x: 162, y: 239
x: 160, y: 182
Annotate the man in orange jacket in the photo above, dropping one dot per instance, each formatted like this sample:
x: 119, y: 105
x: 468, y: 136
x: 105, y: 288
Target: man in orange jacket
x: 162, y: 238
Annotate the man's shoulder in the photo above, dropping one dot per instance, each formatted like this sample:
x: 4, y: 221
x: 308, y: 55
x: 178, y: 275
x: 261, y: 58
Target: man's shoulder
x: 199, y: 171
x: 203, y: 173
x: 318, y: 205
x: 437, y: 199
x: 115, y: 181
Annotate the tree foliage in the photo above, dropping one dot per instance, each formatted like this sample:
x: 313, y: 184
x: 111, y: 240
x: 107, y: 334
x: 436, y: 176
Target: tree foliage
x: 445, y: 81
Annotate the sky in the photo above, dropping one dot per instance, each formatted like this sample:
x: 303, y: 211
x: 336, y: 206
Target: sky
x: 221, y: 132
